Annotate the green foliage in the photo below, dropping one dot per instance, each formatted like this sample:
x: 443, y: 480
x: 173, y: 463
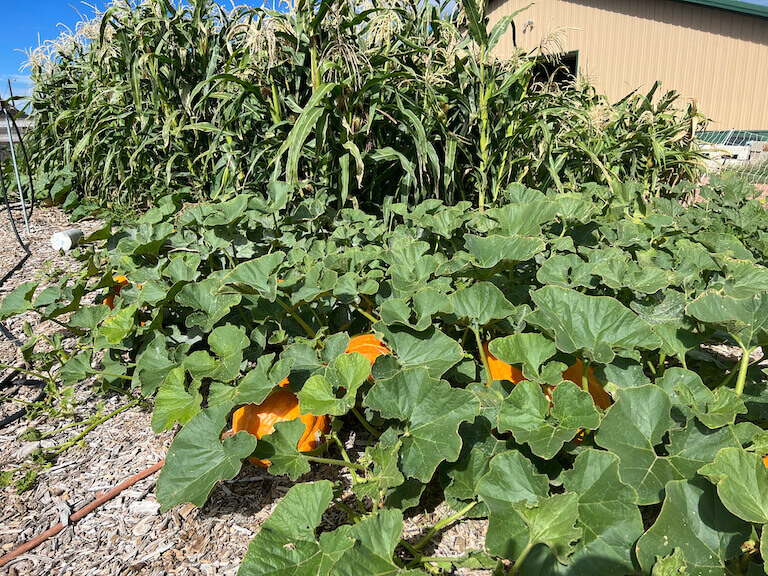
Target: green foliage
x: 237, y: 296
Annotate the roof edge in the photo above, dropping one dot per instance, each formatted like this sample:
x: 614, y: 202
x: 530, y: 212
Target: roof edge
x: 734, y: 6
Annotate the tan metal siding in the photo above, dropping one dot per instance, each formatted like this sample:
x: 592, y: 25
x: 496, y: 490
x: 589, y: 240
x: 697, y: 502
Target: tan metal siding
x: 716, y: 57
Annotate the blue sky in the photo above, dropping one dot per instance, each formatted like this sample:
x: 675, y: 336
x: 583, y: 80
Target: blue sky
x: 24, y: 21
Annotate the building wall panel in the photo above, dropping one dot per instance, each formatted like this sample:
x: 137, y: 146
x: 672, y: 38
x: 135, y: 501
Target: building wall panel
x: 715, y: 57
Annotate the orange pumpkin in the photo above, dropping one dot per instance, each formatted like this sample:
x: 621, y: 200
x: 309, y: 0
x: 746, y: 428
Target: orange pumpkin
x: 122, y: 281
x: 765, y: 461
x: 367, y: 345
x: 501, y: 370
x: 282, y: 405
x: 574, y: 374
x: 115, y: 290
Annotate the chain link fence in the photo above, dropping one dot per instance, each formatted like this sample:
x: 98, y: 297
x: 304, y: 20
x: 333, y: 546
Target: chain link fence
x: 738, y: 152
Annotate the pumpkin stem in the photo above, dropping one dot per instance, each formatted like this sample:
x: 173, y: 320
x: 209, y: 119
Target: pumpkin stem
x: 334, y: 462
x: 442, y: 524
x: 483, y: 357
x: 299, y: 319
x: 367, y: 425
x: 370, y: 317
x: 743, y: 365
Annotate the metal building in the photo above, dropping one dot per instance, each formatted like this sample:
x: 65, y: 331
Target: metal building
x: 712, y: 51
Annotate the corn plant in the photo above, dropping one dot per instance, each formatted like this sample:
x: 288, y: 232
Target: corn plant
x: 377, y: 102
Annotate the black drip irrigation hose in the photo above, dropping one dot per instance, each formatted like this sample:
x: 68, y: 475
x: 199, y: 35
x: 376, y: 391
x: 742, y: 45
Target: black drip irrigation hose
x: 15, y: 377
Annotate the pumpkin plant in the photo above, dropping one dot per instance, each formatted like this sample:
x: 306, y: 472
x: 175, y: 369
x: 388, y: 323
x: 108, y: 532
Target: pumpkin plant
x: 319, y: 214
x: 565, y: 472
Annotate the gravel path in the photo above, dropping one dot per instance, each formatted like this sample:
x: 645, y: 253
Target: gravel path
x: 129, y: 535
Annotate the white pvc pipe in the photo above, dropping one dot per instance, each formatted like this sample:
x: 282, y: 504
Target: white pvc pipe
x: 66, y: 240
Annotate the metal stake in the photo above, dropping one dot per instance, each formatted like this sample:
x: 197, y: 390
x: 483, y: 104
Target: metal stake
x: 16, y: 170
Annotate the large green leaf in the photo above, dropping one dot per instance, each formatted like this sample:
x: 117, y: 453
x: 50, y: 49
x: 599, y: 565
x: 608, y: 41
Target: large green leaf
x: 255, y: 386
x: 119, y: 325
x: 511, y: 480
x: 742, y: 483
x: 281, y: 449
x: 335, y: 392
x: 431, y: 411
x: 527, y: 414
x: 152, y: 365
x: 386, y: 474
x: 198, y: 458
x: 375, y: 539
x: 596, y: 326
x: 430, y: 348
x: 527, y: 349
x: 515, y: 525
x: 228, y: 343
x: 479, y: 447
x: 481, y: 303
x: 746, y: 319
x: 207, y: 304
x: 286, y: 542
x: 174, y: 403
x: 608, y: 516
x: 634, y: 427
x: 19, y: 300
x: 255, y: 276
x: 694, y: 521
x: 488, y: 251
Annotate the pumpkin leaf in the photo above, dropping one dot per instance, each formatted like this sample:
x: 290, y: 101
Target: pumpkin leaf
x: 77, y: 368
x: 527, y: 414
x: 741, y: 479
x: 595, y: 326
x: 198, y: 458
x: 375, y: 538
x: 208, y: 306
x: 431, y: 411
x: 529, y: 349
x: 693, y: 520
x: 515, y: 528
x: 174, y: 403
x: 511, y: 480
x: 489, y: 251
x: 286, y: 542
x: 281, y: 449
x: 479, y: 446
x: 335, y: 392
x: 430, y: 348
x: 228, y: 343
x: 745, y: 319
x: 386, y: 474
x: 118, y: 326
x: 633, y: 429
x: 19, y: 300
x: 256, y: 385
x: 89, y: 317
x: 608, y: 516
x: 255, y: 276
x: 152, y: 366
x: 481, y: 303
